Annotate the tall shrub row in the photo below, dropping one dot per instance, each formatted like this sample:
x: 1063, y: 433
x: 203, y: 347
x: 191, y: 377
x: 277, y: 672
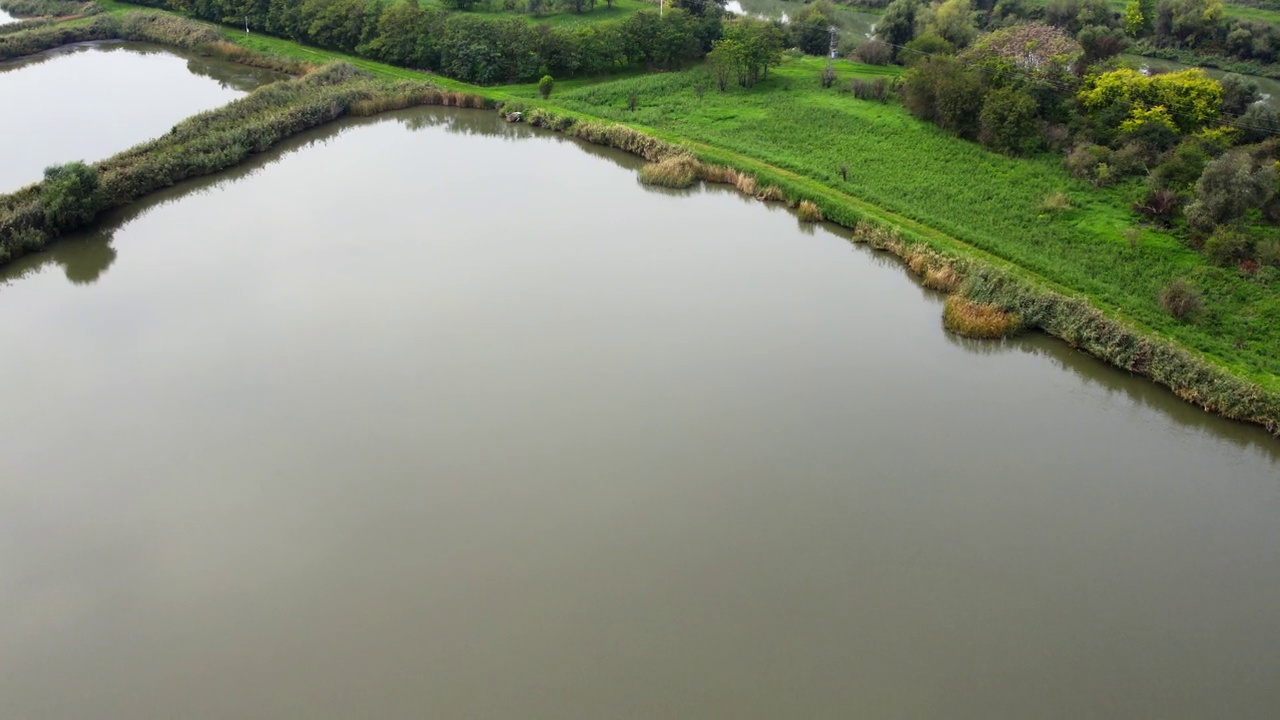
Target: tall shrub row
x: 468, y: 47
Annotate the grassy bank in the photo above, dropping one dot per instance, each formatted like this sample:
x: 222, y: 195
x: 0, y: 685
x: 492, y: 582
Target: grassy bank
x: 878, y: 153
x: 1009, y: 297
x: 66, y: 201
x: 39, y: 36
x: 49, y: 8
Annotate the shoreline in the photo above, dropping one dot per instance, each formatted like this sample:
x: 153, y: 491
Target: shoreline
x: 979, y: 276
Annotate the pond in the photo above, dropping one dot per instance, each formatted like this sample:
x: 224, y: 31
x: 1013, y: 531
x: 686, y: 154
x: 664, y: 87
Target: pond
x: 87, y: 102
x: 429, y: 415
x: 854, y: 25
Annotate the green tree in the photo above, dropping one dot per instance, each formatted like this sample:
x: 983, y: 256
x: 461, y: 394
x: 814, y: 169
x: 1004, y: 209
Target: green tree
x: 923, y: 46
x: 1258, y: 123
x: 897, y: 25
x: 953, y: 21
x: 1150, y: 127
x: 1193, y: 99
x: 723, y: 61
x: 1100, y: 42
x: 944, y: 91
x: 1238, y: 93
x: 1135, y: 23
x: 545, y: 86
x: 1230, y: 186
x: 71, y: 196
x: 1009, y: 122
x: 405, y: 36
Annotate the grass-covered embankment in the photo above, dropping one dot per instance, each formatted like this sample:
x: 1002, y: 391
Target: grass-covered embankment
x: 988, y: 201
x: 1000, y: 297
x: 206, y: 143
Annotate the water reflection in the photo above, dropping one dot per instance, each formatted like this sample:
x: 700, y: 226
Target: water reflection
x: 390, y: 444
x: 1138, y: 391
x: 85, y: 258
x: 229, y: 75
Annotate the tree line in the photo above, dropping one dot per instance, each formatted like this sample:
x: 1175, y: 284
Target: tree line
x: 474, y: 48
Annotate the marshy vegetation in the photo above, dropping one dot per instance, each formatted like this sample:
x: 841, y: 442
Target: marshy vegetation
x: 161, y: 29
x: 49, y: 8
x: 677, y: 171
x: 72, y: 195
x: 977, y: 320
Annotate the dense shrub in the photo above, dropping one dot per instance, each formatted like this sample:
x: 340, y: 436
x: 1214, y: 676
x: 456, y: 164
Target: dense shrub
x: 1268, y: 252
x: 71, y: 195
x: 1228, y: 245
x: 1258, y: 122
x: 1055, y: 202
x: 1181, y: 299
x: 828, y: 76
x: 468, y: 46
x: 1092, y: 163
x: 1229, y: 187
x: 874, y: 52
x: 1160, y: 205
x: 1009, y: 122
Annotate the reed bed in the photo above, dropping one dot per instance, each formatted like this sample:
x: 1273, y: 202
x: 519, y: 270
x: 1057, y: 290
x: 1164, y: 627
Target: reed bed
x: 809, y: 211
x: 676, y: 171
x: 49, y: 8
x: 977, y: 320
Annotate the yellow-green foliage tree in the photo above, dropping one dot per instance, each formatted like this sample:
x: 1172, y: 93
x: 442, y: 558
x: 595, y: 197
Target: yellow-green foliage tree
x: 1191, y: 99
x: 1135, y: 23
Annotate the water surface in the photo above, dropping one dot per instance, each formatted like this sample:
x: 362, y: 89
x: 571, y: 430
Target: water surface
x: 87, y: 102
x: 853, y: 24
x: 1269, y: 87
x: 442, y: 417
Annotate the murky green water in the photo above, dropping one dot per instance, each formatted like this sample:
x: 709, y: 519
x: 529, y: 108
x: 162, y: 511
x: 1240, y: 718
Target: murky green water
x: 854, y: 25
x: 1269, y: 87
x: 440, y: 417
x: 88, y: 102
